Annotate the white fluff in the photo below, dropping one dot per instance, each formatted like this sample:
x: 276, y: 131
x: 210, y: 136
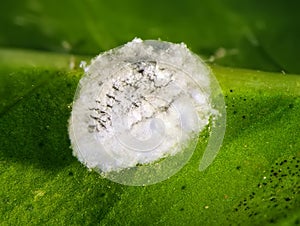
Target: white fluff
x: 139, y: 103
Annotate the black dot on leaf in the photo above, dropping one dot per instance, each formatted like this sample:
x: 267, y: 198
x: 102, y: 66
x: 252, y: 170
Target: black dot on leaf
x: 183, y: 187
x: 272, y: 221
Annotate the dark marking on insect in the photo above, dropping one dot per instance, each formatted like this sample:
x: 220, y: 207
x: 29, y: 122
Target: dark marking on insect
x: 110, y: 96
x: 135, y: 104
x: 115, y: 88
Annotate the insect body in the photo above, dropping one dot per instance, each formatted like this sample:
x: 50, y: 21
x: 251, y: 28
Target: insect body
x: 139, y: 109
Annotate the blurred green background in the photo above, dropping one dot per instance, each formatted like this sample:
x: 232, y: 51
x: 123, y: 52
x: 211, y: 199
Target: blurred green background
x: 254, y: 34
x: 253, y: 181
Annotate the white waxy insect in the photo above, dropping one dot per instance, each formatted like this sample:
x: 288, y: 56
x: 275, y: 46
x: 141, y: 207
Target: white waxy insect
x: 139, y: 109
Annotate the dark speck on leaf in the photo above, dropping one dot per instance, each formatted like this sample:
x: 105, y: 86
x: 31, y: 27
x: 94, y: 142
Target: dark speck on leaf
x: 272, y: 221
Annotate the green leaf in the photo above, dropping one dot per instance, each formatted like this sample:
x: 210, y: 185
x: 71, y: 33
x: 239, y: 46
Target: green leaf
x: 254, y: 180
x: 253, y: 35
